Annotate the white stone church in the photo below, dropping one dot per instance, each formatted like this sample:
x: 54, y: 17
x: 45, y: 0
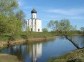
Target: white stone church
x: 34, y: 24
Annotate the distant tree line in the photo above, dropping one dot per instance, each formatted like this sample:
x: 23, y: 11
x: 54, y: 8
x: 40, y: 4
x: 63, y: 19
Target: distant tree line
x: 64, y: 27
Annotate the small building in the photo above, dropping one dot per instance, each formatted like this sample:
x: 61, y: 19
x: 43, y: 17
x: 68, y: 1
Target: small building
x: 34, y: 24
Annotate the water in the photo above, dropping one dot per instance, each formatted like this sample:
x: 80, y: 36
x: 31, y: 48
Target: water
x: 41, y: 52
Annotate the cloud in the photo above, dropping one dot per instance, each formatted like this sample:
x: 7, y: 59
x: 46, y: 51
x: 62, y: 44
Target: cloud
x: 59, y: 17
x: 77, y: 17
x: 68, y: 12
x: 72, y: 14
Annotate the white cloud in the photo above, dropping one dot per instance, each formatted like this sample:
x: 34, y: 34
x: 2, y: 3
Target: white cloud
x: 59, y: 17
x: 77, y: 17
x: 68, y: 12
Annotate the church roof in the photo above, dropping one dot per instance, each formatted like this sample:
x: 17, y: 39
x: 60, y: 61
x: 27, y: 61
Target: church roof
x: 33, y: 11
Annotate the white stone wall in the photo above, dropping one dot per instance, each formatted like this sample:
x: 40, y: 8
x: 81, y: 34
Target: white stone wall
x: 29, y: 24
x: 34, y: 15
x: 38, y: 26
x: 34, y: 25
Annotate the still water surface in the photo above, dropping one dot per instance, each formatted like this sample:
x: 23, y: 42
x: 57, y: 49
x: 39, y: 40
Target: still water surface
x: 41, y: 52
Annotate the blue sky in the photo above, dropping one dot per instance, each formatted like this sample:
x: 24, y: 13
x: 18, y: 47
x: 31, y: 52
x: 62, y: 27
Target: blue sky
x: 55, y: 10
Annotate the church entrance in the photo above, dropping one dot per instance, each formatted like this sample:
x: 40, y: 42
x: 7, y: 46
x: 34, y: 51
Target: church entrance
x: 31, y: 29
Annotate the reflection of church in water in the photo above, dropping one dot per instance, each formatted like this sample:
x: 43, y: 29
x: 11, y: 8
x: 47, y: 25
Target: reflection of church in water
x: 35, y: 51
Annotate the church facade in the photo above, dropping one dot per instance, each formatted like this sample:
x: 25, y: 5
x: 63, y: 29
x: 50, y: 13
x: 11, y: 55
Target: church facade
x: 34, y: 24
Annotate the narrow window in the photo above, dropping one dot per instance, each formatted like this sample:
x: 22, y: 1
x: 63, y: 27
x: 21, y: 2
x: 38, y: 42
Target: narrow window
x: 38, y: 30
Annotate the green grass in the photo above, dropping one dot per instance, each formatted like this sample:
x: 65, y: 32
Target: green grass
x: 74, y: 56
x: 37, y: 35
x: 6, y: 37
x: 27, y: 35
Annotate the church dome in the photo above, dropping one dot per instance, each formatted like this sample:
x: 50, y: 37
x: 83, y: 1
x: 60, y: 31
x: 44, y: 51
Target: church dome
x: 33, y: 11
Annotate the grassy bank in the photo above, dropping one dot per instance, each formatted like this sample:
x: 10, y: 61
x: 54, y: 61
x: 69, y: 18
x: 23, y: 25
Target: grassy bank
x: 7, y: 39
x: 37, y: 34
x: 28, y: 35
x: 24, y: 35
x: 15, y: 40
x: 74, y: 56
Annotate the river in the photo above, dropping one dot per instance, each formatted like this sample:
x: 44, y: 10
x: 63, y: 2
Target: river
x: 42, y: 51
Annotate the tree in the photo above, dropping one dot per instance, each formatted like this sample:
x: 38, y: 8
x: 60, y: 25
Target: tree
x: 45, y: 30
x: 64, y: 25
x: 20, y: 15
x: 53, y: 24
x: 8, y: 6
x: 3, y: 24
x: 10, y: 17
x: 82, y: 29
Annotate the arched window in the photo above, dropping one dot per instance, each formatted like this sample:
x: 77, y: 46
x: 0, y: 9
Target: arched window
x: 38, y: 30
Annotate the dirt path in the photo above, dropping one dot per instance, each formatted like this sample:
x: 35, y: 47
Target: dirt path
x: 8, y: 58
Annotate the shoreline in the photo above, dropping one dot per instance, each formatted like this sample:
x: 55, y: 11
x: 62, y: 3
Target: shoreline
x: 73, y: 56
x: 14, y: 58
x: 4, y: 44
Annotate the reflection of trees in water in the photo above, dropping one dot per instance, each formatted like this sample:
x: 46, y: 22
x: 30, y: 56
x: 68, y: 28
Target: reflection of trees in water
x: 16, y: 50
x: 77, y: 41
x: 82, y: 41
x: 35, y: 51
x: 61, y: 37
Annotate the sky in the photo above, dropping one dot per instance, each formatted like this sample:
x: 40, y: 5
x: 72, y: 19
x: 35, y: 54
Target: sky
x: 55, y: 10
